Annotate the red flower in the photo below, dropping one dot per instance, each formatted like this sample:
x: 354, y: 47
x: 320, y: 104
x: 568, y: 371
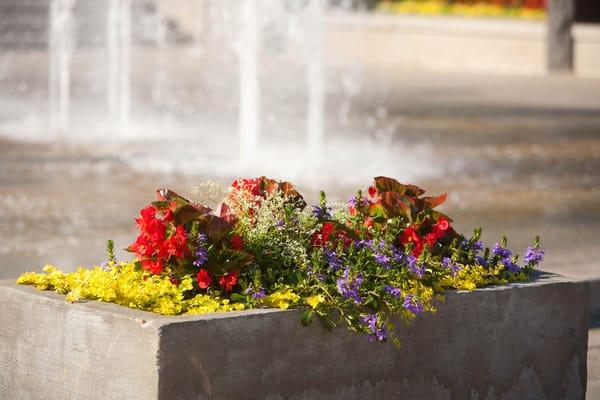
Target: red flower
x: 154, y: 266
x: 168, y: 216
x: 249, y: 185
x: 152, y: 247
x: 372, y: 191
x: 156, y: 229
x: 328, y: 229
x: 316, y: 239
x: 418, y: 249
x: 236, y: 242
x: 410, y: 235
x: 203, y: 278
x: 148, y: 213
x: 440, y: 229
x: 229, y: 280
x: 142, y: 247
x: 431, y: 240
x: 322, y: 237
x: 329, y: 234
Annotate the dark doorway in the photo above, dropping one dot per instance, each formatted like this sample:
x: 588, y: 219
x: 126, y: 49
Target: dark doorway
x: 587, y: 11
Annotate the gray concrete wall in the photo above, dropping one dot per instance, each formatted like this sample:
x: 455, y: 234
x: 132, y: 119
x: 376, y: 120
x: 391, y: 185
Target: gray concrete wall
x: 50, y: 349
x: 514, y: 342
x: 595, y: 299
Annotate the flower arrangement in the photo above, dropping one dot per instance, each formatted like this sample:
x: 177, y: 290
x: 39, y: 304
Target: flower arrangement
x: 523, y: 9
x: 388, y: 251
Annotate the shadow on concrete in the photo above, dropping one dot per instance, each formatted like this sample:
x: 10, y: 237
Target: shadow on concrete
x: 595, y: 303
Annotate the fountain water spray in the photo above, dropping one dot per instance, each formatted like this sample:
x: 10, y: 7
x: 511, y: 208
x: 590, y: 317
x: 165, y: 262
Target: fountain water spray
x: 118, y: 46
x: 61, y: 49
x: 315, y: 79
x: 249, y: 101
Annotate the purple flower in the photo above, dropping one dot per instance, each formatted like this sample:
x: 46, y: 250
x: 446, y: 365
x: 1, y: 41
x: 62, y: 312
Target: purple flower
x: 201, y: 257
x: 280, y: 223
x: 364, y: 244
x: 413, y: 267
x: 319, y: 276
x: 411, y: 261
x: 533, y: 256
x: 334, y: 262
x: 371, y: 322
x: 510, y: 265
x: 473, y: 245
x: 478, y: 245
x: 383, y: 260
x: 411, y: 303
x: 394, y: 291
x: 259, y: 293
x: 451, y: 265
x: 399, y: 255
x: 501, y: 252
x: 201, y: 251
x: 354, y: 202
x: 349, y: 288
x: 321, y: 213
x: 481, y: 261
x: 256, y: 293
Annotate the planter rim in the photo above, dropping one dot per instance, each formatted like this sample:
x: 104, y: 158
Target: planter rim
x: 540, y: 278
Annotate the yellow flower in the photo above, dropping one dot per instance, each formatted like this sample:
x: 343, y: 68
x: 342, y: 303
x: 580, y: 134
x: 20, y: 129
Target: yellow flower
x: 281, y: 299
x: 315, y: 300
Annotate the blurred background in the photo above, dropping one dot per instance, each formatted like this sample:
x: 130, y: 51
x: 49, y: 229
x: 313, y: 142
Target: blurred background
x: 496, y: 102
x: 101, y: 102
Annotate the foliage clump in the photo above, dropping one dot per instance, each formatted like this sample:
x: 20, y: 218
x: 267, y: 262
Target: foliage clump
x: 387, y: 252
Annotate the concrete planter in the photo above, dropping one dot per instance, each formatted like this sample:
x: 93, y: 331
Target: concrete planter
x: 521, y: 341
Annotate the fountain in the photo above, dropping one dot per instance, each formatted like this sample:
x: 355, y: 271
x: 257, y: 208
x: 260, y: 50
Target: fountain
x: 231, y: 86
x: 60, y: 49
x: 249, y: 102
x: 118, y: 44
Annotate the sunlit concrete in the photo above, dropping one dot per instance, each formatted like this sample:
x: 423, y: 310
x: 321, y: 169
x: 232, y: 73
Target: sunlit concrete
x: 511, y: 342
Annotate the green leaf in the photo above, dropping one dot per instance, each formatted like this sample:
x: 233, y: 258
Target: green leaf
x: 217, y: 228
x: 237, y: 297
x: 228, y: 260
x: 326, y: 322
x: 376, y: 210
x: 385, y: 184
x: 161, y: 204
x: 307, y: 317
x: 396, y: 204
x: 168, y: 195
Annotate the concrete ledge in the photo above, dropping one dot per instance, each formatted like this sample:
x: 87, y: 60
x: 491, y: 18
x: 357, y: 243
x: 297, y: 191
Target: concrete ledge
x: 587, y: 50
x: 511, y: 342
x: 438, y: 43
x: 480, y: 45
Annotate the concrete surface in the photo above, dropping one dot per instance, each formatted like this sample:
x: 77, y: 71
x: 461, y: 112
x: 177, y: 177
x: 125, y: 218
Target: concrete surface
x: 457, y: 44
x: 593, y: 385
x: 595, y: 299
x: 587, y: 49
x: 521, y: 341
